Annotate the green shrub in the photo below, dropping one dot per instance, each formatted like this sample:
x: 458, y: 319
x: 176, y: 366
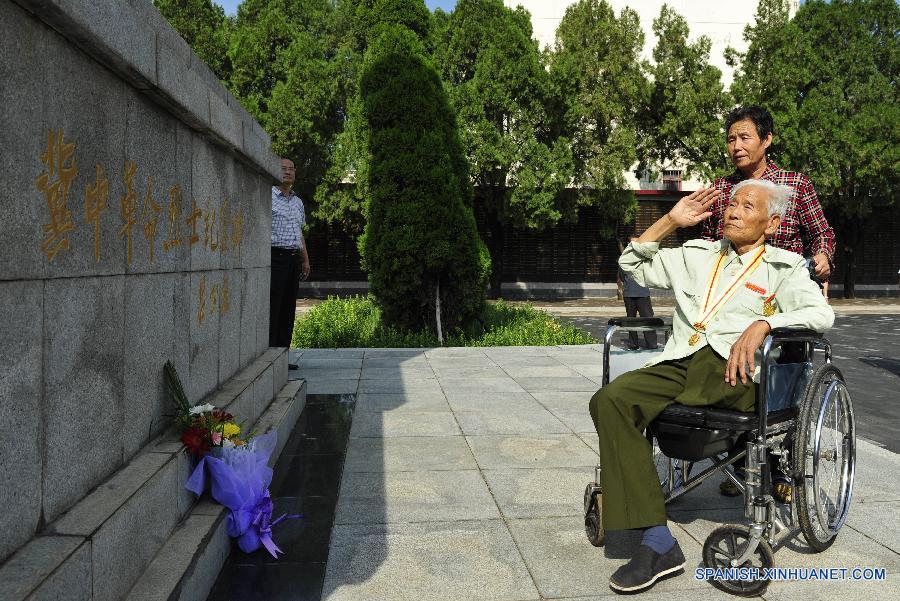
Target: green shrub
x: 420, y: 233
x: 526, y: 326
x: 356, y: 323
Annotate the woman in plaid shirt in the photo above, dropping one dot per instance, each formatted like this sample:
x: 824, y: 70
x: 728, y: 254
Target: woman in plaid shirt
x: 804, y: 229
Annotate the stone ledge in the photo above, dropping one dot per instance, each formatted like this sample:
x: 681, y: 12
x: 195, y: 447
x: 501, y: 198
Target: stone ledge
x: 263, y: 391
x: 92, y: 544
x: 89, y: 514
x: 187, y: 565
x: 225, y: 123
x: 279, y: 358
x: 254, y: 368
x: 107, y: 30
x: 48, y: 567
x: 135, y: 41
x: 283, y: 413
x: 291, y: 389
x: 175, y: 91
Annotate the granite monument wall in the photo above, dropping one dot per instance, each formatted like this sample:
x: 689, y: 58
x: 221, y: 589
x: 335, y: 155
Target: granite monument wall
x: 134, y: 215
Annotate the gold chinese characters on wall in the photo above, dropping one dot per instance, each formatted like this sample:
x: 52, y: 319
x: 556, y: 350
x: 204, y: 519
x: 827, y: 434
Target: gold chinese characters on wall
x: 145, y: 209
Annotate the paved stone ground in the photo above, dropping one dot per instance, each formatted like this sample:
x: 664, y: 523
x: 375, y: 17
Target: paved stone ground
x: 464, y: 476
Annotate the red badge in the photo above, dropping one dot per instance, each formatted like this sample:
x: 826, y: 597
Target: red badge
x: 755, y: 288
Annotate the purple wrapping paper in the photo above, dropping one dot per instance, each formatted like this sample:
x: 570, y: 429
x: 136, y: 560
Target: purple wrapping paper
x: 240, y: 479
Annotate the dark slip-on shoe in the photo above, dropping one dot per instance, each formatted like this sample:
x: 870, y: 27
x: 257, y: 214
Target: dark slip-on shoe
x: 646, y: 568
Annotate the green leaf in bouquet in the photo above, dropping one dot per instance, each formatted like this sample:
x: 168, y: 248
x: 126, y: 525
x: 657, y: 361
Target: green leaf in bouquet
x: 176, y: 392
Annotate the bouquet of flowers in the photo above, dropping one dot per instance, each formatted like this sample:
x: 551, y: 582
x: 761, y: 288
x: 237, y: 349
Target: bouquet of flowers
x: 238, y: 467
x: 203, y: 427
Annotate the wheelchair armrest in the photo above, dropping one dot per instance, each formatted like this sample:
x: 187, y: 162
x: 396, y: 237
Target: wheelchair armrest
x: 647, y: 322
x: 779, y: 337
x: 795, y: 334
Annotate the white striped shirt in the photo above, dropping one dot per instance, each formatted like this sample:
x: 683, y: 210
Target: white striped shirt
x: 288, y: 217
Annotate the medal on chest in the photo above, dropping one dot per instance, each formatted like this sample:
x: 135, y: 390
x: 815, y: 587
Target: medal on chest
x: 769, y: 306
x: 712, y: 305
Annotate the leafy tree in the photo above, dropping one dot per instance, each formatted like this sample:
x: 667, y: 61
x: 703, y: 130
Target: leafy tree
x: 343, y: 192
x: 371, y: 15
x: 829, y: 78
x: 682, y: 123
x: 765, y: 38
x: 204, y: 27
x: 597, y: 67
x: 420, y: 245
x: 437, y: 35
x: 285, y: 73
x: 499, y: 88
x: 304, y: 111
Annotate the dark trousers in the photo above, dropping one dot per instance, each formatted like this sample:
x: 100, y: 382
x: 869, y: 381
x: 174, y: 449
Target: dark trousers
x: 622, y: 410
x: 640, y: 305
x: 286, y: 270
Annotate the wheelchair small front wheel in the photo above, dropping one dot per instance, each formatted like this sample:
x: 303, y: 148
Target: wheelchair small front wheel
x: 593, y: 521
x: 728, y: 543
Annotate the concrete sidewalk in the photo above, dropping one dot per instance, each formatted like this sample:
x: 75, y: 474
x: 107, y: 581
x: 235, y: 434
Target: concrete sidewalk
x: 464, y: 478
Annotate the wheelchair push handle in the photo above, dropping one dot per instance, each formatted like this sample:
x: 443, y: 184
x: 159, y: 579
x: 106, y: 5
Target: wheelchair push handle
x: 637, y: 322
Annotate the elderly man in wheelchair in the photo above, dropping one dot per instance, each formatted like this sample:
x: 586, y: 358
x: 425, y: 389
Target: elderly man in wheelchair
x: 708, y: 398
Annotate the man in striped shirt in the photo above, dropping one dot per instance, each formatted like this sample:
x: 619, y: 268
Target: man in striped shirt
x: 290, y: 262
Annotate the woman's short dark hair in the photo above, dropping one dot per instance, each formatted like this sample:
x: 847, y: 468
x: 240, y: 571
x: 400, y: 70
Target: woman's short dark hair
x: 761, y: 118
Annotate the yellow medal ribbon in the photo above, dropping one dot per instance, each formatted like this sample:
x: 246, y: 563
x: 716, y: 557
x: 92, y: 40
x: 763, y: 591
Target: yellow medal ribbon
x: 712, y: 307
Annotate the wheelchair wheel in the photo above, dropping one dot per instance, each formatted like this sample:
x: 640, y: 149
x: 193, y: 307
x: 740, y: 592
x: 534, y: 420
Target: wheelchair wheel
x: 824, y: 457
x: 593, y: 517
x: 727, y: 543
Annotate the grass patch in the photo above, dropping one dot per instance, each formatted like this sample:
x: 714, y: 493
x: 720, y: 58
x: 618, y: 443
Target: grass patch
x: 356, y: 322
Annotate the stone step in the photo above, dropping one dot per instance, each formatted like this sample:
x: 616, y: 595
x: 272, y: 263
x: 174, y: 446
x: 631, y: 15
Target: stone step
x: 101, y: 545
x: 188, y: 563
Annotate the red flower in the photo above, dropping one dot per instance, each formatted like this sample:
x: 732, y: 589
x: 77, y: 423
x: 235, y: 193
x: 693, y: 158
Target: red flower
x: 195, y: 439
x: 222, y: 416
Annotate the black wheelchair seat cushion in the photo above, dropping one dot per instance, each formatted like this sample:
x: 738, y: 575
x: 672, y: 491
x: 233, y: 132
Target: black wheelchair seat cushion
x: 696, y: 433
x: 714, y: 418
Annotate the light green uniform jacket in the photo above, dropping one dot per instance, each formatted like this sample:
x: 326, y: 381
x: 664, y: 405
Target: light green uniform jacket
x: 686, y: 271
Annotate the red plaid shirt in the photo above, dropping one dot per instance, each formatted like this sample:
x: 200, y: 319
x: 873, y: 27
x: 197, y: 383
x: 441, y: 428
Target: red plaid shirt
x: 803, y: 230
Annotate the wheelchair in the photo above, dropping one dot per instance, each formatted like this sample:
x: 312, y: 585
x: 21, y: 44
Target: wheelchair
x: 804, y: 421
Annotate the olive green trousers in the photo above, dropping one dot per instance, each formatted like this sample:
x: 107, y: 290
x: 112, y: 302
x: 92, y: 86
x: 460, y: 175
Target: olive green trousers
x: 622, y: 410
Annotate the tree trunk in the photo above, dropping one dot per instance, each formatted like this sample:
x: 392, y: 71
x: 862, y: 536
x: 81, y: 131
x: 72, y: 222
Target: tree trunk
x: 851, y: 236
x: 437, y: 312
x: 495, y: 227
x: 849, y: 289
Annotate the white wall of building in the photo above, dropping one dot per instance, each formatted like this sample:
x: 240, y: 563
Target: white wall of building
x: 722, y: 21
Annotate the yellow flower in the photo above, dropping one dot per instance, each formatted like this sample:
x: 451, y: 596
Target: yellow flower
x: 230, y: 430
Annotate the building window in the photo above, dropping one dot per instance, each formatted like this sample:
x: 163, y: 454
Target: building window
x: 671, y: 179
